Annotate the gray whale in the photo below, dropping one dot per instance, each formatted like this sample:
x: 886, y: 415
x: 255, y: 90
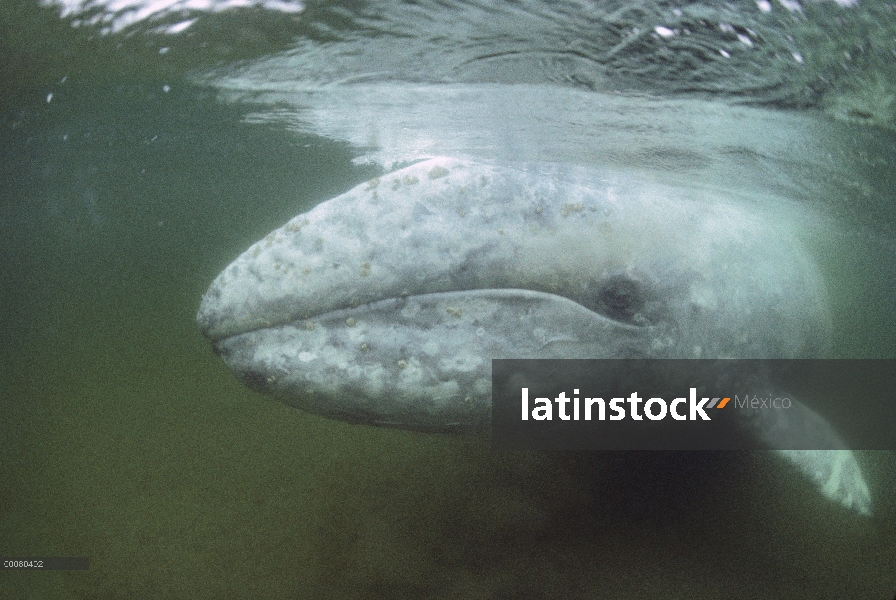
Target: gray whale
x: 386, y: 304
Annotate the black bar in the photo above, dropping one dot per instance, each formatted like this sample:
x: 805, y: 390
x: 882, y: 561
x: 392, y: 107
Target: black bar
x: 773, y: 403
x: 46, y: 563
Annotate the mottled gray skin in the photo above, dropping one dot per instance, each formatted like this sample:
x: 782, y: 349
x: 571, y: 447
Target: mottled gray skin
x: 386, y: 304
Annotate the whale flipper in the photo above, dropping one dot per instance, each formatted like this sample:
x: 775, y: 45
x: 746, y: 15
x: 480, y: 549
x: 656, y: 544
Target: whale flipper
x: 836, y: 474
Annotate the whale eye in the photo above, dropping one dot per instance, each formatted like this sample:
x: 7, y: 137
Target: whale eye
x: 621, y: 298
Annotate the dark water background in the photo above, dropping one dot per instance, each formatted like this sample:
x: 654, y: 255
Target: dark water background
x: 124, y: 439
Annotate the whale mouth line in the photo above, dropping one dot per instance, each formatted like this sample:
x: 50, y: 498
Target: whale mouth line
x: 454, y: 301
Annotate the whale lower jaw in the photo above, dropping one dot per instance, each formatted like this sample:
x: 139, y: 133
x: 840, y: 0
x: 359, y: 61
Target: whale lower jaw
x: 422, y: 362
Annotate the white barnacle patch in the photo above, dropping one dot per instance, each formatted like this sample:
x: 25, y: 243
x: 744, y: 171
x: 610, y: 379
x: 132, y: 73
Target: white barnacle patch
x: 443, y: 392
x: 336, y: 358
x: 410, y: 310
x: 411, y: 375
x: 463, y: 362
x: 661, y: 343
x: 372, y: 378
x: 540, y: 335
x: 482, y: 387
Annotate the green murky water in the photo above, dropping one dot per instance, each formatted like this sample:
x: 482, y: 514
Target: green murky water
x: 123, y: 438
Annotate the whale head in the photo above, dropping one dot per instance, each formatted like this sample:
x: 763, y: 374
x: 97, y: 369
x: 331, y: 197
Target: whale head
x: 386, y: 304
